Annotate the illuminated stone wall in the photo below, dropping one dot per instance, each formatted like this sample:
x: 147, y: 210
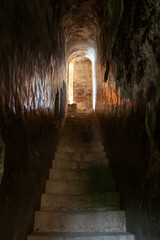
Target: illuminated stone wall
x: 32, y: 59
x: 82, y: 83
x: 128, y: 107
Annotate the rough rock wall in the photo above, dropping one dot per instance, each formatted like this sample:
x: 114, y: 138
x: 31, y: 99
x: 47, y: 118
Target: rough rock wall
x: 31, y: 54
x: 2, y: 155
x: 32, y: 107
x: 130, y: 36
x: 82, y: 83
x: 128, y: 107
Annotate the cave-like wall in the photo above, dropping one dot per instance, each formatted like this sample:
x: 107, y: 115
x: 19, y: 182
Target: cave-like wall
x: 128, y: 107
x: 31, y: 53
x: 32, y: 107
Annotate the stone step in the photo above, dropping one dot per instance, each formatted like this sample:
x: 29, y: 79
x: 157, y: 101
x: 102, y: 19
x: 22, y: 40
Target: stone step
x: 62, y: 148
x: 76, y: 165
x: 77, y: 143
x: 75, y: 135
x: 80, y: 156
x: 77, y: 132
x: 80, y: 118
x: 99, y: 202
x: 71, y: 174
x: 81, y: 122
x: 82, y: 236
x: 103, y: 221
x: 80, y: 138
x: 81, y: 127
x: 79, y: 187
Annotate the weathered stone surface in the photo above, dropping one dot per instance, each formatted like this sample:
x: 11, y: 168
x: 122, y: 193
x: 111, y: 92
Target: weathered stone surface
x: 79, y: 139
x: 71, y: 174
x: 82, y: 236
x: 105, y: 221
x: 82, y: 165
x: 66, y: 142
x: 80, y: 195
x: 104, y: 201
x: 66, y: 149
x: 80, y: 156
x: 79, y: 186
x: 2, y: 155
x: 82, y: 83
x: 92, y: 144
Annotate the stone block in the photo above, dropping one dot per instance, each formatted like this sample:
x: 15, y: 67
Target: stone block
x: 83, y: 165
x: 80, y: 156
x: 89, y: 221
x: 80, y: 149
x: 99, y: 202
x: 82, y: 236
x: 71, y: 174
x: 79, y: 187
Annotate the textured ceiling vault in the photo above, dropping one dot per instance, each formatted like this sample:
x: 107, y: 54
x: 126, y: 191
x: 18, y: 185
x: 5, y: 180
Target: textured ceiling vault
x: 80, y: 24
x: 79, y: 19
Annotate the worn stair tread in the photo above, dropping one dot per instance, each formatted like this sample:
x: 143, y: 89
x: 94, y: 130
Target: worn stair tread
x: 72, y: 149
x: 66, y: 164
x: 79, y: 139
x: 65, y: 140
x: 79, y: 186
x: 80, y: 126
x: 84, y: 119
x: 80, y: 156
x: 68, y: 131
x: 104, y: 201
x: 76, y: 132
x: 85, y: 146
x: 82, y: 236
x: 72, y: 174
x: 79, y: 144
x: 80, y: 135
x: 88, y: 221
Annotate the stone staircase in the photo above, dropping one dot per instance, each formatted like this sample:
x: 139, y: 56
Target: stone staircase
x: 80, y: 200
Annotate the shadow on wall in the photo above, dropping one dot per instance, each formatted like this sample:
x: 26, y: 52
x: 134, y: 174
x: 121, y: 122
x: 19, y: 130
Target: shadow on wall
x: 30, y: 138
x: 131, y: 135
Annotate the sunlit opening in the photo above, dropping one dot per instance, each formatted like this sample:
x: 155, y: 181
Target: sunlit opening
x: 80, y: 83
x: 70, y: 89
x: 90, y: 55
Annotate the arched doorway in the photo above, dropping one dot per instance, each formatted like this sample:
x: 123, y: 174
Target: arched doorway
x: 80, y: 83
